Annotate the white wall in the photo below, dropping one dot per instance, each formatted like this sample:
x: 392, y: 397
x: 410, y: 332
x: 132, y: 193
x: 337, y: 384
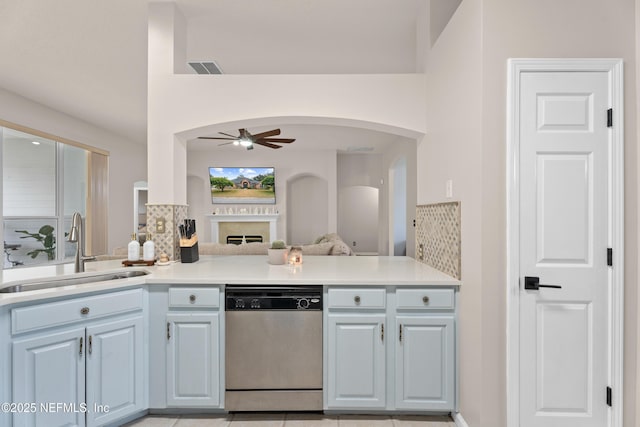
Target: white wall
x: 127, y: 160
x: 451, y: 150
x: 466, y: 143
x: 187, y: 105
x: 358, y: 217
x: 288, y: 165
x: 359, y: 210
x: 307, y: 216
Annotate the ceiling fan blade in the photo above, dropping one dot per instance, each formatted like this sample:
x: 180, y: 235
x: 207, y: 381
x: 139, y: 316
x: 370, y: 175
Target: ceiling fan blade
x: 227, y: 134
x: 217, y: 137
x: 225, y: 143
x: 266, y: 134
x: 280, y: 140
x: 266, y: 144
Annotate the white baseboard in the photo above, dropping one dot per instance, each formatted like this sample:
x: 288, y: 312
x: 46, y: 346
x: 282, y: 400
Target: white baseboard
x: 457, y: 418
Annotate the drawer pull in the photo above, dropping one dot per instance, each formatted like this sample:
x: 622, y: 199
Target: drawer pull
x: 356, y: 299
x: 192, y: 298
x: 84, y: 310
x: 425, y: 299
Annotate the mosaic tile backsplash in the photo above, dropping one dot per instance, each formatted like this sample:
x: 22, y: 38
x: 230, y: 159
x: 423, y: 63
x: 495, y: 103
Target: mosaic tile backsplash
x: 169, y: 241
x: 438, y: 230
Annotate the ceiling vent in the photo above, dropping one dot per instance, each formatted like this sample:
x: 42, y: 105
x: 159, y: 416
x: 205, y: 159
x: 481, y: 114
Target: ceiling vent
x: 205, y: 67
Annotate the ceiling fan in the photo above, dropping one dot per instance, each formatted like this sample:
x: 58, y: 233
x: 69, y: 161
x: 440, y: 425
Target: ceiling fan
x: 248, y: 140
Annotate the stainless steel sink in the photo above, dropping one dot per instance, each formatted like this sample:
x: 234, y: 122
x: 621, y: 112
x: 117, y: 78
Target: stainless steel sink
x: 68, y: 281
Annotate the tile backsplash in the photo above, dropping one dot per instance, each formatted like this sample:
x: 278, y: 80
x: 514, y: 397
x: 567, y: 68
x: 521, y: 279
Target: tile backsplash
x: 438, y: 231
x: 169, y: 241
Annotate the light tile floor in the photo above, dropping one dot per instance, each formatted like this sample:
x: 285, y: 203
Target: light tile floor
x: 292, y: 419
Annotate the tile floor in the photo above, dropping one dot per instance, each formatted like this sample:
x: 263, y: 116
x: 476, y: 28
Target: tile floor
x: 290, y: 420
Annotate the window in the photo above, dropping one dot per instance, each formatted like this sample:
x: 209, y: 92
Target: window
x: 44, y: 183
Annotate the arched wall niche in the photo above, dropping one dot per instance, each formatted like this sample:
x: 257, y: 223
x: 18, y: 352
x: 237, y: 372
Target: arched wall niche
x: 307, y: 208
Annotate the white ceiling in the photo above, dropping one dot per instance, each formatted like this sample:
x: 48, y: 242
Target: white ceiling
x: 88, y: 58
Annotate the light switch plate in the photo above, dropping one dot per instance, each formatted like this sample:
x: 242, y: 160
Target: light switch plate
x: 160, y: 225
x: 449, y: 188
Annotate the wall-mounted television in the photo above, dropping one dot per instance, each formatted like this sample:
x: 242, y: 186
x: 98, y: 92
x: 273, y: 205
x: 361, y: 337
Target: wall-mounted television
x: 247, y: 185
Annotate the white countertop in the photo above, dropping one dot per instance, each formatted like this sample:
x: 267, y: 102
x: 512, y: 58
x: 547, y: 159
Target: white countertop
x: 248, y: 269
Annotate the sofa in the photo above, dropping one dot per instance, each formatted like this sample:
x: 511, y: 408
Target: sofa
x: 327, y: 244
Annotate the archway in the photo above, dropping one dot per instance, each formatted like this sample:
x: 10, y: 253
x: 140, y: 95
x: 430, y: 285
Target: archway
x: 307, y: 214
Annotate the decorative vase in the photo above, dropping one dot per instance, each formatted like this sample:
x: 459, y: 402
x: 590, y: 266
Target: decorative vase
x: 278, y: 256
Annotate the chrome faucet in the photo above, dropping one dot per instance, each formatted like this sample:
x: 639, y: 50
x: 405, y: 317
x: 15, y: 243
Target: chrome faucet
x: 76, y: 235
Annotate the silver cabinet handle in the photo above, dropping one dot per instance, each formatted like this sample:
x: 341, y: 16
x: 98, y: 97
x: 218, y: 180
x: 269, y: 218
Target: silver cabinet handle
x: 81, y: 342
x: 356, y: 299
x: 192, y: 298
x: 400, y: 334
x: 168, y: 330
x: 382, y: 332
x: 425, y: 299
x: 84, y: 310
x: 90, y: 344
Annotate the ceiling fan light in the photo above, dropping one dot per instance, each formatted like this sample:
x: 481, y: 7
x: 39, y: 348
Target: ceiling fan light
x: 236, y: 142
x: 246, y: 142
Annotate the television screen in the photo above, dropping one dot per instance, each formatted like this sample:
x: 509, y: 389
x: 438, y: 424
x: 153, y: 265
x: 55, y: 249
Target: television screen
x: 242, y: 185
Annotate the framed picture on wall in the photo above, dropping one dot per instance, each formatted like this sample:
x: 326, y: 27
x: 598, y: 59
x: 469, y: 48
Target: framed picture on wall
x: 243, y: 185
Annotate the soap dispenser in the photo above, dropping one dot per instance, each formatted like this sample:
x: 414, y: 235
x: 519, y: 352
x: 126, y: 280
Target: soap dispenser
x: 133, y: 249
x: 148, y: 249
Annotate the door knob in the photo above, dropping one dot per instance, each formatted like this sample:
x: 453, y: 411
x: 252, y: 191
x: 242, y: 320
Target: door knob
x: 533, y: 283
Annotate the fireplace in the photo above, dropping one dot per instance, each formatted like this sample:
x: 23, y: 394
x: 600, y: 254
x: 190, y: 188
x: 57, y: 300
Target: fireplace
x: 236, y: 239
x: 223, y: 225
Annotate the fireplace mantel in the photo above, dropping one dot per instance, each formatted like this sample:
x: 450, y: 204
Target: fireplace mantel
x: 216, y: 219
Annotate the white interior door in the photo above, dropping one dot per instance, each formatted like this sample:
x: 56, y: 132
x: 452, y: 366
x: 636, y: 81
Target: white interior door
x: 564, y: 234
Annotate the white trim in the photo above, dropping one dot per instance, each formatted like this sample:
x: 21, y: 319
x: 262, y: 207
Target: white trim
x: 457, y: 418
x: 216, y: 219
x: 616, y: 205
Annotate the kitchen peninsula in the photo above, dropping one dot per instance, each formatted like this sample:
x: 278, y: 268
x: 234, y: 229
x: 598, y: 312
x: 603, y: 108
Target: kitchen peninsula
x: 156, y: 343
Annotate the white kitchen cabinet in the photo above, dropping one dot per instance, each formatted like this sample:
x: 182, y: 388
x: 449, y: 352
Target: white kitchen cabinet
x: 193, y: 359
x: 50, y: 369
x: 424, y: 374
x: 115, y: 368
x: 356, y: 361
x: 410, y: 365
x: 76, y: 369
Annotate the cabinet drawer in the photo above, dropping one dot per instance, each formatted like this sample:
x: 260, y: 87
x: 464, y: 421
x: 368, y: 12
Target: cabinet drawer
x: 194, y: 297
x: 34, y: 317
x: 356, y: 298
x: 434, y: 299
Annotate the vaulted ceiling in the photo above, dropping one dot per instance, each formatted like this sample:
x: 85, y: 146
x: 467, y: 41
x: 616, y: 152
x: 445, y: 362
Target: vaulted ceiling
x: 89, y: 58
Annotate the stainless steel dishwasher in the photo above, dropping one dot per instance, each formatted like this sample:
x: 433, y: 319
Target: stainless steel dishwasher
x: 273, y: 348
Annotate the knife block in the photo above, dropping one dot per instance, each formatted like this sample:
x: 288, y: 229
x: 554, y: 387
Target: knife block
x: 189, y: 250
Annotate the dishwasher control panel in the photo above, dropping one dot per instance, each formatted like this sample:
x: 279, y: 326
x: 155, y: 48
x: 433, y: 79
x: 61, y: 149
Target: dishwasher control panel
x: 240, y: 298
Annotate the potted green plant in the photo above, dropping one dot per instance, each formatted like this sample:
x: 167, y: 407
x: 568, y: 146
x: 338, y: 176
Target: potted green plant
x: 278, y: 252
x: 46, y: 237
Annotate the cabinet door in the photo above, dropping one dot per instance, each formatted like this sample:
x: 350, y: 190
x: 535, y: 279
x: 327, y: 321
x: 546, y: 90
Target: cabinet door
x: 49, y: 371
x: 193, y: 360
x: 115, y: 370
x: 425, y: 360
x: 356, y: 364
